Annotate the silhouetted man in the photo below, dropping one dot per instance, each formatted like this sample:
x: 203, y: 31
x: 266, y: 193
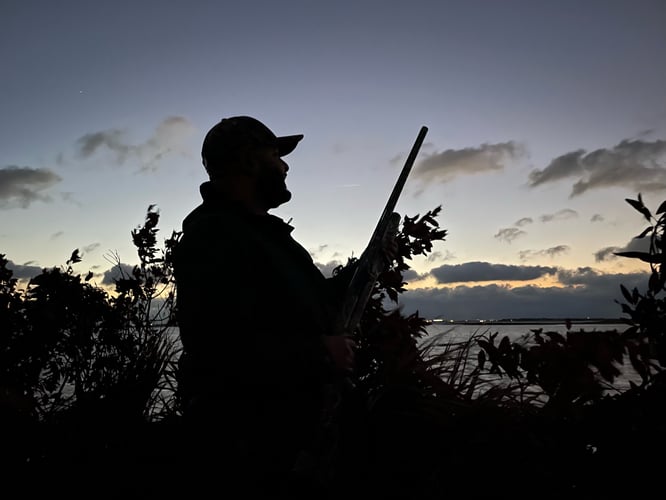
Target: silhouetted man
x: 255, y: 316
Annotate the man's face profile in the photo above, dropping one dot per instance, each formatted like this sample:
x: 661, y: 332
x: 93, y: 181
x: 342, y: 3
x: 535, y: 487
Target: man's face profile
x: 270, y: 172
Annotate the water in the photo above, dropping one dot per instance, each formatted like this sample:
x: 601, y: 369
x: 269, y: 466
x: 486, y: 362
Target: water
x: 441, y: 334
x: 515, y: 331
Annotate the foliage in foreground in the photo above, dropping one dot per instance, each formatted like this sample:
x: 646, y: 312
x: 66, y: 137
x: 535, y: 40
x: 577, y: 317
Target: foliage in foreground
x: 580, y: 367
x: 75, y: 357
x: 70, y: 351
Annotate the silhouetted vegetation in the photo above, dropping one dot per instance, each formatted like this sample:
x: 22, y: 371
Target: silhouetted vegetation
x: 87, y: 374
x: 80, y: 367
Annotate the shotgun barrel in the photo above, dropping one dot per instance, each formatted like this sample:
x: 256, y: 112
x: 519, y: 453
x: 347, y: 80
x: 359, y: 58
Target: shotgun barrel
x: 371, y: 262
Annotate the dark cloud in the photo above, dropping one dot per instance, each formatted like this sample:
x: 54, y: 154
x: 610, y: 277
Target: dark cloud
x: 57, y: 235
x: 593, y: 295
x: 634, y: 164
x: 485, y: 271
x: 634, y: 245
x: 524, y: 221
x: 567, y: 165
x: 411, y: 275
x: 548, y: 252
x: 170, y: 136
x: 116, y: 272
x: 637, y: 245
x: 445, y: 166
x: 597, y: 218
x: 112, y: 139
x: 579, y: 276
x: 509, y: 234
x: 606, y: 253
x: 23, y: 272
x: 563, y: 214
x: 23, y: 185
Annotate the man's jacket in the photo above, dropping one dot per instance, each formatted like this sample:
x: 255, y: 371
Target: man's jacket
x: 252, y: 309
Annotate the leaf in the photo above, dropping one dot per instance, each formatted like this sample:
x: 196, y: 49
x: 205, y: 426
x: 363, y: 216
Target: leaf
x: 626, y: 294
x: 654, y: 283
x: 74, y: 258
x: 89, y: 276
x: 662, y: 207
x: 556, y: 337
x: 627, y: 310
x: 481, y: 357
x: 505, y: 344
x: 638, y: 205
x: 634, y: 203
x: 630, y: 332
x: 644, y: 233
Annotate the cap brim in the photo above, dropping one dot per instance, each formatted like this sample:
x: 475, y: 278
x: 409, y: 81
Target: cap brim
x: 287, y: 143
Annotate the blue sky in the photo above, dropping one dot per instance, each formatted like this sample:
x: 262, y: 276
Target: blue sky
x: 543, y: 116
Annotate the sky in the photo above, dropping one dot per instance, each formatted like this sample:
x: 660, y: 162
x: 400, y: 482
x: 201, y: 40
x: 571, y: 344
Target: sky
x: 543, y: 117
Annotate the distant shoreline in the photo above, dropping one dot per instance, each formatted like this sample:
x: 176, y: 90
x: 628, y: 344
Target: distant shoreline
x: 530, y: 321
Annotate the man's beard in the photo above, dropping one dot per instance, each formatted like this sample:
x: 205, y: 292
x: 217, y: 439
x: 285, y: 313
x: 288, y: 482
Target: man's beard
x: 273, y: 189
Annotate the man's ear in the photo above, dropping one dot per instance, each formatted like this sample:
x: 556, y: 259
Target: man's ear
x: 241, y: 162
x: 248, y: 161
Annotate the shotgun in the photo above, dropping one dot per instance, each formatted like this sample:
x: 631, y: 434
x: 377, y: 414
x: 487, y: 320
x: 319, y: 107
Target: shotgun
x: 371, y: 262
x: 316, y: 461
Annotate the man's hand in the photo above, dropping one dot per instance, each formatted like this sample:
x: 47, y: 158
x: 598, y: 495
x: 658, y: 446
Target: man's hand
x: 341, y: 349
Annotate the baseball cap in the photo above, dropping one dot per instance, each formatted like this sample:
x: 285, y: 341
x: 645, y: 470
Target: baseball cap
x: 232, y: 134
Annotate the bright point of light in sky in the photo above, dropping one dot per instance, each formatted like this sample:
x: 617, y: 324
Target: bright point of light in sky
x: 543, y: 116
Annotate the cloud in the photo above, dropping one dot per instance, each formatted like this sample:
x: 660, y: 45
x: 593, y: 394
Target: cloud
x: 509, y: 234
x: 556, y: 250
x: 548, y: 252
x: 23, y: 185
x: 438, y: 256
x: 411, y: 275
x: 23, y: 272
x: 327, y: 269
x: 524, y: 221
x: 606, y: 253
x: 593, y: 295
x: 567, y: 165
x: 637, y: 245
x: 116, y: 272
x: 91, y: 247
x: 170, y: 136
x: 397, y: 159
x: 635, y: 164
x: 57, y: 235
x: 317, y: 251
x: 634, y: 245
x: 447, y: 165
x: 563, y: 214
x: 597, y: 218
x: 485, y: 271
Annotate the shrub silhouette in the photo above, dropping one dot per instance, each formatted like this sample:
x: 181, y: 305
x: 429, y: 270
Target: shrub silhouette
x: 75, y: 356
x: 85, y: 373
